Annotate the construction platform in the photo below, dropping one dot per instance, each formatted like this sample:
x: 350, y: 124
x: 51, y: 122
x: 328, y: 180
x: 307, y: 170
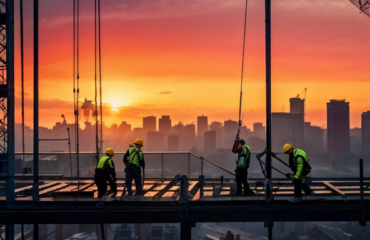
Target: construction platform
x: 209, y: 200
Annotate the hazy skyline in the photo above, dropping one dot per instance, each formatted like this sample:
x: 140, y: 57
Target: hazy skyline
x: 183, y: 59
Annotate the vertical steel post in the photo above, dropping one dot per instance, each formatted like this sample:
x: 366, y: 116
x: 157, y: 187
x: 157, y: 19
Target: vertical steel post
x: 70, y: 153
x: 162, y: 161
x: 201, y: 166
x: 35, y: 226
x: 269, y: 226
x: 189, y: 165
x: 35, y: 101
x: 10, y: 144
x: 363, y: 214
x: 10, y: 195
x: 268, y: 94
x: 185, y: 230
x: 201, y: 187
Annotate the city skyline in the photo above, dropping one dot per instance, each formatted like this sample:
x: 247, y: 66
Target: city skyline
x: 191, y: 70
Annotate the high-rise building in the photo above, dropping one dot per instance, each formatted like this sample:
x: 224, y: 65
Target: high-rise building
x: 165, y: 125
x: 259, y: 131
x: 338, y: 130
x: 189, y: 137
x: 229, y: 132
x: 287, y: 128
x: 365, y: 125
x: 217, y: 127
x: 173, y: 143
x: 202, y: 127
x: 149, y: 124
x: 137, y: 133
x: 210, y: 142
x: 178, y: 130
x: 313, y: 139
x: 155, y: 141
x: 297, y: 106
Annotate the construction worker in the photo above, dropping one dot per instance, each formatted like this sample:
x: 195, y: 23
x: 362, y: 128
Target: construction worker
x: 133, y: 160
x: 105, y: 172
x: 300, y: 165
x: 242, y: 165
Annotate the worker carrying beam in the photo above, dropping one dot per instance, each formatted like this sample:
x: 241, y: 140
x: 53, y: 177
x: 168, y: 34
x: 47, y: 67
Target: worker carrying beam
x: 105, y: 172
x: 134, y: 161
x: 300, y: 165
x: 242, y: 165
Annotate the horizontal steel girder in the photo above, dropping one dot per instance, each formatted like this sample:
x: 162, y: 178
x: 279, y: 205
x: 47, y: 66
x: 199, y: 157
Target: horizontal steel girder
x: 167, y: 212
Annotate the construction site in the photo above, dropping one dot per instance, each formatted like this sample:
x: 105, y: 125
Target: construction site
x: 52, y: 194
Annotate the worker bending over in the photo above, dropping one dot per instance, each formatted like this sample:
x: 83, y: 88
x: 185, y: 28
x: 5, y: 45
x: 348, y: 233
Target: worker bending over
x: 300, y: 165
x: 133, y: 160
x: 242, y: 165
x: 105, y: 172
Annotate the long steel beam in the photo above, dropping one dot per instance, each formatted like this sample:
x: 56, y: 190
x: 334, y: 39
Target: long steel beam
x: 162, y: 212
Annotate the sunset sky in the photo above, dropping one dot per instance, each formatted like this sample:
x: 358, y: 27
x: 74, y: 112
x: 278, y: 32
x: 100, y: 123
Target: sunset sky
x: 183, y: 58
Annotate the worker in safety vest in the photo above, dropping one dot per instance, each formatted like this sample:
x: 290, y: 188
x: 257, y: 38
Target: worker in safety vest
x: 105, y: 172
x: 134, y: 161
x: 242, y: 165
x: 300, y: 165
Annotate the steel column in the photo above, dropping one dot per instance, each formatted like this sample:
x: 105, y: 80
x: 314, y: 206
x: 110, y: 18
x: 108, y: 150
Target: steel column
x: 35, y: 101
x: 35, y: 226
x: 10, y: 195
x: 268, y: 95
x: 363, y: 213
x: 185, y: 230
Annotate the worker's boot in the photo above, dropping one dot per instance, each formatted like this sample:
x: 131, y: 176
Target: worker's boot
x: 295, y: 200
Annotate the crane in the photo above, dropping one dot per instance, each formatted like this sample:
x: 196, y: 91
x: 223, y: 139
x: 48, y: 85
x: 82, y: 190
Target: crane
x: 363, y: 5
x: 303, y: 93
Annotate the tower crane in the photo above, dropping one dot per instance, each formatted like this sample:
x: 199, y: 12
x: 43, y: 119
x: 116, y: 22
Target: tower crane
x: 302, y: 95
x: 363, y: 5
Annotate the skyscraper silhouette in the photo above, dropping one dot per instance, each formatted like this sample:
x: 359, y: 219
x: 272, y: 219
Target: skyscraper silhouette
x: 365, y: 125
x: 202, y: 127
x: 287, y: 128
x: 339, y: 146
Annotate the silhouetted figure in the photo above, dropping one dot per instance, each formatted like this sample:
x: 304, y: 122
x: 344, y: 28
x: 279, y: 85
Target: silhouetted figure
x: 299, y: 163
x: 242, y: 165
x: 105, y: 172
x: 134, y: 160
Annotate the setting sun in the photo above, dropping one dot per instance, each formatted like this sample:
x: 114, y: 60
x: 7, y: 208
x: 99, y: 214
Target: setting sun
x: 116, y: 103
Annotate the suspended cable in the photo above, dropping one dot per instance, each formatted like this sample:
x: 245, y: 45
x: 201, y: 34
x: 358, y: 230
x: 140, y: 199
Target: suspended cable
x: 22, y: 80
x: 100, y: 83
x: 242, y: 74
x: 236, y: 143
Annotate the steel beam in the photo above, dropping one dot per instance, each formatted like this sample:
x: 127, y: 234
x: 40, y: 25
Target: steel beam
x: 268, y: 96
x: 167, y: 212
x: 35, y: 100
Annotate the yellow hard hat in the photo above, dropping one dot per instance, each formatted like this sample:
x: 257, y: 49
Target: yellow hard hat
x: 138, y: 142
x: 109, y: 151
x: 287, y: 147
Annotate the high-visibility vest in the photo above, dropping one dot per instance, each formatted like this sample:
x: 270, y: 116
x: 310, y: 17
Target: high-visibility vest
x: 134, y: 156
x: 300, y: 164
x: 105, y: 163
x: 244, y: 157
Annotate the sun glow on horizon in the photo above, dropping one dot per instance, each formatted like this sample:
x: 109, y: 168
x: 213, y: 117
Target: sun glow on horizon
x: 116, y: 103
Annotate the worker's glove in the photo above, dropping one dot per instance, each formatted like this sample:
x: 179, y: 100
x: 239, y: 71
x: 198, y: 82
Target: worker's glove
x: 290, y: 176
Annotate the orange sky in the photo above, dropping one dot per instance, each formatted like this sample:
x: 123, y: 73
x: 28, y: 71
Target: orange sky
x: 183, y: 58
